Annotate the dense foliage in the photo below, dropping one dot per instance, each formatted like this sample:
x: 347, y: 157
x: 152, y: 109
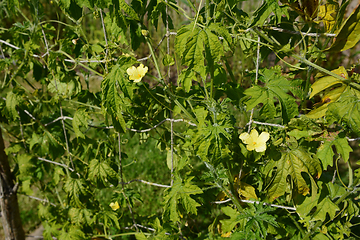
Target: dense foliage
x: 246, y: 118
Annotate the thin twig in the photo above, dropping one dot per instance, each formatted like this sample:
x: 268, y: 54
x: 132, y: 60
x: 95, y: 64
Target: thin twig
x: 302, y: 33
x: 166, y: 119
x: 2, y: 53
x: 65, y: 134
x: 26, y: 111
x: 167, y: 36
x: 123, y: 185
x: 257, y: 61
x: 46, y: 42
x: 268, y: 124
x: 40, y: 199
x: 149, y: 183
x: 59, y: 118
x: 257, y: 202
x: 22, y: 133
x: 172, y: 151
x: 353, y: 139
x: 161, y: 40
x: 106, y: 41
x: 147, y: 228
x: 56, y: 163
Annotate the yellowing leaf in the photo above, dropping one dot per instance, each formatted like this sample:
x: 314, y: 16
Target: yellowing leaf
x: 327, y: 14
x: 330, y: 97
x: 349, y: 33
x: 226, y: 235
x: 328, y: 81
x: 247, y: 191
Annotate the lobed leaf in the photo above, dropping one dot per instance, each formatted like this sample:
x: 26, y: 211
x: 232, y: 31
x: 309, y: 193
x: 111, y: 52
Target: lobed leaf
x: 325, y: 152
x: 276, y: 86
x: 180, y: 193
x: 101, y: 173
x: 80, y: 120
x: 292, y: 163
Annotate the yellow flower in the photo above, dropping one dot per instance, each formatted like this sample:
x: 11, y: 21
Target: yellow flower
x: 114, y: 206
x: 137, y: 73
x: 254, y: 141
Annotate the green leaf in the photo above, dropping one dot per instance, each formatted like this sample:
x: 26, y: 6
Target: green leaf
x: 12, y: 100
x: 191, y: 42
x: 349, y: 33
x: 221, y: 31
x: 346, y: 110
x: 26, y: 164
x: 109, y: 218
x: 13, y: 149
x: 186, y: 77
x: 180, y: 193
x: 101, y: 173
x: 263, y: 12
x: 51, y: 229
x: 292, y: 163
x: 140, y: 236
x: 325, y: 152
x: 77, y: 191
x: 128, y: 10
x: 80, y: 120
x: 168, y: 159
x: 194, y: 47
x: 81, y: 216
x: 168, y: 60
x: 276, y: 86
x: 72, y: 233
x: 326, y: 206
x: 228, y: 225
x: 66, y: 89
x: 112, y: 102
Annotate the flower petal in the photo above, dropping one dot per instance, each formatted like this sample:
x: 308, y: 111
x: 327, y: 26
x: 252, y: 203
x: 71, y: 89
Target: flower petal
x: 114, y: 206
x: 245, y: 137
x: 260, y: 147
x: 264, y: 136
x: 130, y: 70
x: 254, y: 134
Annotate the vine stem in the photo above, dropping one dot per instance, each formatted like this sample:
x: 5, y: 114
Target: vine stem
x: 154, y: 59
x: 106, y: 41
x: 123, y: 185
x: 172, y: 151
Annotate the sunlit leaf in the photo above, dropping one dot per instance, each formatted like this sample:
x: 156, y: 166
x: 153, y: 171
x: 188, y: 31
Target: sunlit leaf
x: 193, y: 44
x: 349, y: 33
x: 328, y: 81
x: 325, y: 152
x: 326, y: 206
x: 292, y: 163
x: 327, y: 14
x: 346, y: 110
x: 180, y: 194
x: 77, y: 191
x: 101, y: 173
x: 12, y: 101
